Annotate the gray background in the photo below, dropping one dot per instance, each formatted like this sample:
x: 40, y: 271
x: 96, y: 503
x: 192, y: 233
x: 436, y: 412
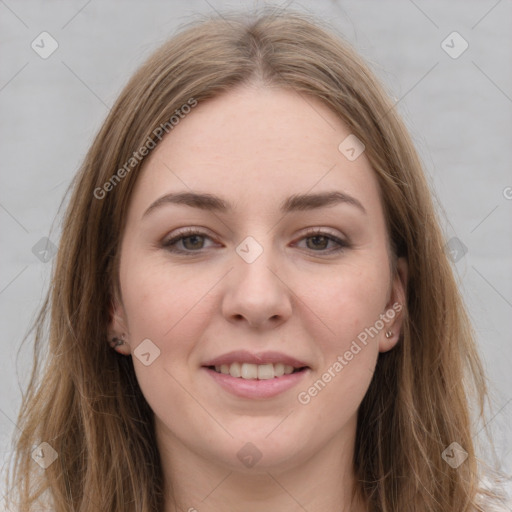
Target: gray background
x: 459, y: 111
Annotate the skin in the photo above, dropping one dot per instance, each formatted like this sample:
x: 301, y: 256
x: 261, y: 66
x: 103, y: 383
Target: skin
x: 255, y: 146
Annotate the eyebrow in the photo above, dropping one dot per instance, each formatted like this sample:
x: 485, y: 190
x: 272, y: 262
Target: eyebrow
x: 296, y: 202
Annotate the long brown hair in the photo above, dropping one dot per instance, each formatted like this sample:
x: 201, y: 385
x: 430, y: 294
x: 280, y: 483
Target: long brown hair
x: 83, y: 398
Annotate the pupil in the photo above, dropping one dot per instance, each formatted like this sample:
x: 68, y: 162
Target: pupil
x: 196, y: 237
x: 319, y: 237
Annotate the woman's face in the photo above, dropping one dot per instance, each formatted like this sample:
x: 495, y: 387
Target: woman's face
x: 254, y: 247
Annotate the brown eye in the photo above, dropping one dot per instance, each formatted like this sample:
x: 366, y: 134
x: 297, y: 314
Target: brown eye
x: 194, y: 244
x: 318, y: 241
x: 188, y: 241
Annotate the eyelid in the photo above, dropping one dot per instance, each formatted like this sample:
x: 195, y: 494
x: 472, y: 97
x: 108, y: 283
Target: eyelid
x: 321, y: 231
x: 342, y: 241
x: 186, y: 232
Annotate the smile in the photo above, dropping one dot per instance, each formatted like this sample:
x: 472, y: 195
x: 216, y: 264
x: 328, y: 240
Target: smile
x: 256, y: 371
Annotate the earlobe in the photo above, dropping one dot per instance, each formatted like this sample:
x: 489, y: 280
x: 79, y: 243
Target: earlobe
x: 395, y: 308
x: 117, y: 329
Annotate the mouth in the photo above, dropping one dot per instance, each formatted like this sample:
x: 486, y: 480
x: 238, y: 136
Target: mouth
x: 264, y: 384
x: 250, y: 371
x: 261, y: 375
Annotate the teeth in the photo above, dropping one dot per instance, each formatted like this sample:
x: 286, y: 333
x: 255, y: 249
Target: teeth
x: 234, y: 370
x: 265, y: 371
x: 255, y: 371
x: 249, y: 371
x: 279, y: 370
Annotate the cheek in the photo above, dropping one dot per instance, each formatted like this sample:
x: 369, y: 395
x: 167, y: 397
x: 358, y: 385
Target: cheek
x: 349, y: 305
x: 157, y: 299
x: 349, y: 300
x: 170, y: 307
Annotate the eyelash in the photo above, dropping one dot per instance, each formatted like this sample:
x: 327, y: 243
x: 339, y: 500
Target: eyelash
x: 170, y: 244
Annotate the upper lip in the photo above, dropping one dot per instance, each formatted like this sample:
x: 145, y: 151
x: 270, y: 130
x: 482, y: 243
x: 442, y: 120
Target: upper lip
x: 243, y: 356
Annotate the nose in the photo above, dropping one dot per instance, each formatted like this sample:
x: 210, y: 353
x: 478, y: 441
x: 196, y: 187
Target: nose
x: 257, y: 294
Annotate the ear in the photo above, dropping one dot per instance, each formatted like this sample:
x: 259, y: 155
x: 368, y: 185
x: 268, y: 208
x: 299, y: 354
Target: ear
x: 117, y: 327
x: 395, y: 308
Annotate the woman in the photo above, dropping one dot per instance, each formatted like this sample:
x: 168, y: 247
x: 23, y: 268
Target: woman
x: 252, y: 307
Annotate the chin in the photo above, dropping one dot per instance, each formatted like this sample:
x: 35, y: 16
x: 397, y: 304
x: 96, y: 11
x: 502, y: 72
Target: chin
x: 260, y: 452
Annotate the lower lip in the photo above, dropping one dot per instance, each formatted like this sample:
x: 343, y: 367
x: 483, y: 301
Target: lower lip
x: 254, y: 388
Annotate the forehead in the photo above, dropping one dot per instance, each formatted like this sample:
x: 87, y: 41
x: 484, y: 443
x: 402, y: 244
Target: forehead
x: 254, y: 145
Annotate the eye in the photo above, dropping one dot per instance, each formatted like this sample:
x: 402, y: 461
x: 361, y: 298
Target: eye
x: 319, y: 240
x: 191, y: 239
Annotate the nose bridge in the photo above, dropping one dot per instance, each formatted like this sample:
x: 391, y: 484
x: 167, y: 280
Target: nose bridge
x: 255, y: 258
x: 255, y: 292
x: 250, y: 249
